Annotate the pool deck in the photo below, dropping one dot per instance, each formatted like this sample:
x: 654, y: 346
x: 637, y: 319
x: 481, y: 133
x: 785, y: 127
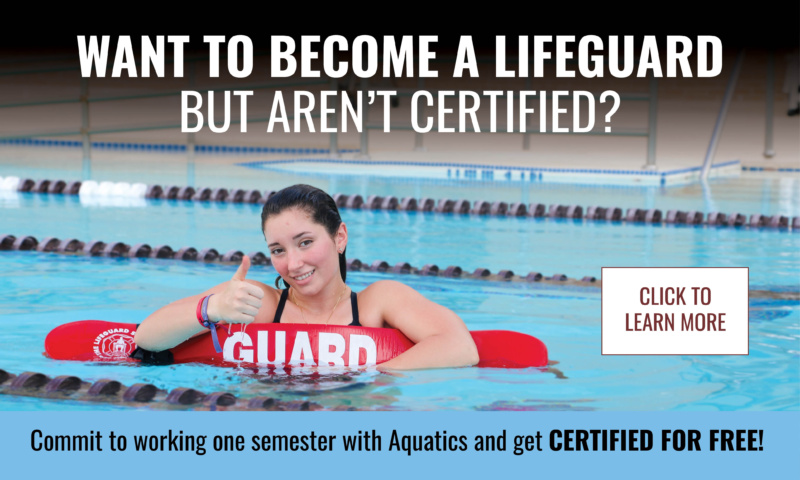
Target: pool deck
x: 687, y: 112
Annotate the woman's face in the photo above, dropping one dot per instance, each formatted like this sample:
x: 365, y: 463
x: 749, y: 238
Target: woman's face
x: 302, y: 251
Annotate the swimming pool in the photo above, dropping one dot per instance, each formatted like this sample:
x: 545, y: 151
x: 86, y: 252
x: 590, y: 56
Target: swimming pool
x: 432, y: 171
x: 762, y: 192
x: 44, y: 290
x: 576, y: 248
x: 82, y: 287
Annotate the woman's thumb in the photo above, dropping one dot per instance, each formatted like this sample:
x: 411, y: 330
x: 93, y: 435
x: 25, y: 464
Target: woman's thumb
x: 241, y: 273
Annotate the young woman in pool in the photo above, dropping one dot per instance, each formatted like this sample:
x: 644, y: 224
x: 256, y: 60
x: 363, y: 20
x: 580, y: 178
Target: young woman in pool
x: 307, y: 241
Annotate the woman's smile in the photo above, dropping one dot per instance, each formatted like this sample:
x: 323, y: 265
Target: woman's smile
x: 304, y: 276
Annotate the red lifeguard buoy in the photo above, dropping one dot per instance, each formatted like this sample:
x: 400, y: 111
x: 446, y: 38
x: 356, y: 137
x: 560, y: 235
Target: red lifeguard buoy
x: 268, y: 343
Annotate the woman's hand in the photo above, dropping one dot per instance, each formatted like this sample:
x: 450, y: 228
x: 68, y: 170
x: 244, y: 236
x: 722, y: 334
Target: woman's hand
x: 239, y: 302
x: 235, y: 301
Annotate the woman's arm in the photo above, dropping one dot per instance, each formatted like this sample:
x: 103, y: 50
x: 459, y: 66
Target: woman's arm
x: 440, y: 336
x: 236, y: 301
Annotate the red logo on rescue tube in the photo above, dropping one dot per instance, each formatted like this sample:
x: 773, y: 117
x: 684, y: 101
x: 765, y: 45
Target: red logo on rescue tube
x: 114, y: 344
x: 331, y: 349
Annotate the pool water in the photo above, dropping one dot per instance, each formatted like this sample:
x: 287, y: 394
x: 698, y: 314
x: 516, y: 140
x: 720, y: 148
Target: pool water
x: 41, y: 291
x: 48, y: 289
x: 574, y: 248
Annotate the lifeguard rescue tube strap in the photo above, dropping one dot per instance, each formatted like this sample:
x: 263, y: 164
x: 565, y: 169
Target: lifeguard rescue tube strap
x: 277, y: 344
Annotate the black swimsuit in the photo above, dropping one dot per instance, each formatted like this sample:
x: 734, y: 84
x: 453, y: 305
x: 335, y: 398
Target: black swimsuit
x: 285, y: 295
x: 164, y: 357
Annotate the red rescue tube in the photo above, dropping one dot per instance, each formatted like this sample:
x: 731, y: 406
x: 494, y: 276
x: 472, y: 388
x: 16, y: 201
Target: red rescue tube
x: 268, y: 343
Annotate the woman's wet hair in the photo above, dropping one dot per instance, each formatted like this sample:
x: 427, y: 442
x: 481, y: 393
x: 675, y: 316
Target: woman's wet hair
x: 318, y: 204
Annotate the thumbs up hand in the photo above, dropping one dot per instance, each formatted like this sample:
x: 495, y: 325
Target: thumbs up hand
x: 239, y: 302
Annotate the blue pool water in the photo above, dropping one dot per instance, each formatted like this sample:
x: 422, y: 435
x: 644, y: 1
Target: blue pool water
x: 41, y: 291
x: 573, y: 248
x: 47, y: 290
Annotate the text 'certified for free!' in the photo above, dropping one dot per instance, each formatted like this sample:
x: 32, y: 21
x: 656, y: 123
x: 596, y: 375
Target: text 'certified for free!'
x: 675, y: 311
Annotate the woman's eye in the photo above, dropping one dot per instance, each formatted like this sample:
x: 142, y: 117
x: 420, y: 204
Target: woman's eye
x: 276, y: 251
x: 305, y: 243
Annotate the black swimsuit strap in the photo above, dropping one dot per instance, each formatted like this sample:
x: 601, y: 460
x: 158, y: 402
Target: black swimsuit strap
x: 281, y: 304
x: 285, y: 296
x: 354, y: 305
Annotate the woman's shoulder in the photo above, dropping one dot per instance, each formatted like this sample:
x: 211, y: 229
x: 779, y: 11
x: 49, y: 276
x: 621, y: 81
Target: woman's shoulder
x: 386, y: 291
x: 386, y: 285
x: 381, y: 300
x: 394, y: 304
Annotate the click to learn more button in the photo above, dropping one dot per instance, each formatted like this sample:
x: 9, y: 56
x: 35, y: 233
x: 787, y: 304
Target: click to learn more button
x: 675, y: 311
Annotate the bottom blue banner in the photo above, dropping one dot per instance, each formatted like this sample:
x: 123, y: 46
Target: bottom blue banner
x: 402, y: 444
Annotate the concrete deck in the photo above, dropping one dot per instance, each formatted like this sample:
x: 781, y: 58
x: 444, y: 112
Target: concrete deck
x: 687, y: 112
